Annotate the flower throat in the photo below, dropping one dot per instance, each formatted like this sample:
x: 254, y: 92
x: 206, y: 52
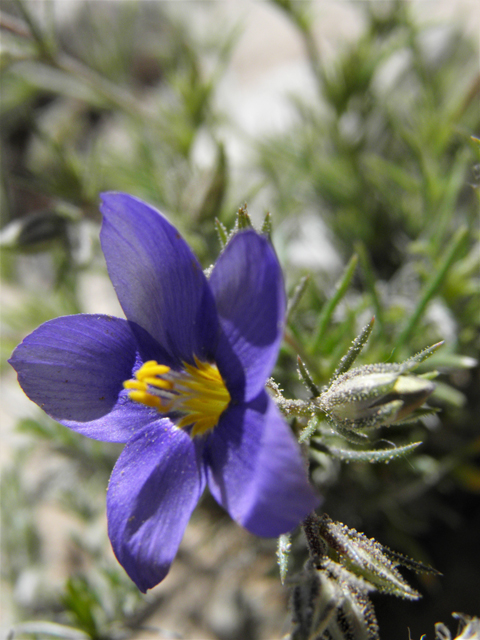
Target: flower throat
x: 197, y: 393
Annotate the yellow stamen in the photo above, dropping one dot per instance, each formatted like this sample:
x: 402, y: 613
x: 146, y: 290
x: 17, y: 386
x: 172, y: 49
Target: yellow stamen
x: 146, y: 398
x: 195, y: 396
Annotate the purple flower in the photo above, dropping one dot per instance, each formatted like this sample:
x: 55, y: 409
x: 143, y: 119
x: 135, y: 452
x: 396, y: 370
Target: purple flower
x: 180, y: 381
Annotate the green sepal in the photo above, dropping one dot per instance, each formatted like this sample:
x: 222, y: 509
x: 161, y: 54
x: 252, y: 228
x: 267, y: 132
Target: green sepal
x: 222, y: 233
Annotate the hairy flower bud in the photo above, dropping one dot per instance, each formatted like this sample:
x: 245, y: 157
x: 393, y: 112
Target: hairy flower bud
x: 372, y: 395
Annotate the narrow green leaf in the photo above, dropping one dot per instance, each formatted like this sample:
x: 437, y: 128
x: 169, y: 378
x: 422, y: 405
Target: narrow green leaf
x: 454, y: 182
x: 409, y: 563
x: 44, y: 45
x: 307, y: 378
x: 215, y: 194
x: 352, y: 354
x: 449, y: 395
x: 433, y: 285
x: 340, y: 290
x: 284, y: 546
x: 415, y: 360
x: 370, y: 281
x: 53, y: 629
x: 373, y: 456
x: 297, y: 296
x: 451, y: 361
x: 309, y: 429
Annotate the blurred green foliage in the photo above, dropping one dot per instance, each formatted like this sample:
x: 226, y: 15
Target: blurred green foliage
x: 383, y: 156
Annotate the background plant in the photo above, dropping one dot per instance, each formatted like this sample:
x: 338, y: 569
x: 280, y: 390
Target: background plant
x: 383, y: 157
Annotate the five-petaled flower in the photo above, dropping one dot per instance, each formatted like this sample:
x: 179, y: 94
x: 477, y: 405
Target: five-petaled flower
x: 180, y: 381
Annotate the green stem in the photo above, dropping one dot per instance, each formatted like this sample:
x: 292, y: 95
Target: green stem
x: 294, y: 407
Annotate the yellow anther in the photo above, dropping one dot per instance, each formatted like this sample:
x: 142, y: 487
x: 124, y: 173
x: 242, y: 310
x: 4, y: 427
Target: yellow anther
x: 151, y: 368
x: 146, y: 398
x: 135, y: 384
x: 195, y: 397
x: 158, y: 382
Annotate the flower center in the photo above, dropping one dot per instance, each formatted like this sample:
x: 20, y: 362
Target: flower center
x: 197, y: 394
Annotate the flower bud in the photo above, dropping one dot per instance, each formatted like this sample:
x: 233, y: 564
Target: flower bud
x: 373, y: 395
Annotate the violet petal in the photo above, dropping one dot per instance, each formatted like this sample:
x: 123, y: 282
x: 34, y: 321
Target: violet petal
x: 248, y: 287
x: 73, y: 367
x: 256, y: 470
x: 155, y: 485
x: 158, y: 281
